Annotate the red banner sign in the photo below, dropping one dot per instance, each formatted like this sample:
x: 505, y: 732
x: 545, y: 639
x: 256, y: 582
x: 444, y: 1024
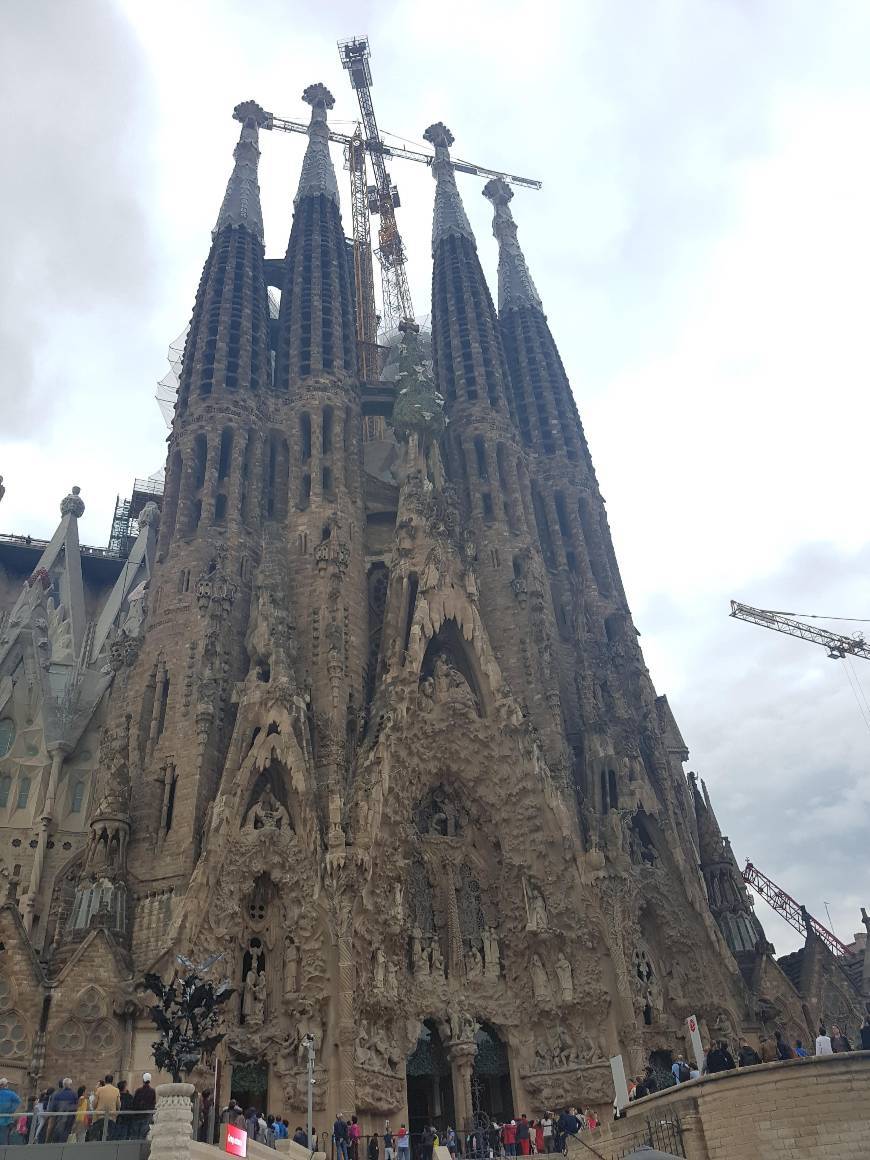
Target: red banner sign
x: 236, y: 1142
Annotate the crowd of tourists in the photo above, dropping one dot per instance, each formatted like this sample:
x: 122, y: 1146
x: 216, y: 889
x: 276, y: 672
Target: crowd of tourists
x: 70, y: 1113
x: 523, y: 1136
x: 718, y: 1057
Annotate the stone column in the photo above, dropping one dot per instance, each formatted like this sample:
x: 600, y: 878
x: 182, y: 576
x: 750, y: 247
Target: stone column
x: 461, y: 1056
x: 170, y: 1132
x: 28, y: 901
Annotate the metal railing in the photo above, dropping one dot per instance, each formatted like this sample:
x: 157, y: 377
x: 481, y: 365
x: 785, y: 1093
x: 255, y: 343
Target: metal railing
x: 74, y: 1127
x: 664, y: 1134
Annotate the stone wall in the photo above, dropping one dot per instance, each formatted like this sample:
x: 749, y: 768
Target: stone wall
x: 816, y: 1107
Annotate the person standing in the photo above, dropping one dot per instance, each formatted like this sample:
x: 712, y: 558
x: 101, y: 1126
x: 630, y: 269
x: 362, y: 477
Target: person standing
x: 799, y: 1049
x: 144, y: 1102
x: 403, y: 1143
x: 374, y: 1148
x: 783, y: 1047
x: 389, y: 1152
x: 63, y: 1100
x: 427, y: 1141
x: 339, y: 1135
x: 125, y: 1119
x: 523, y: 1135
x: 107, y: 1105
x: 839, y: 1042
x: 547, y: 1130
x: 747, y: 1056
x: 83, y: 1115
x: 865, y: 1034
x: 354, y: 1132
x: 10, y: 1101
x: 509, y: 1137
x: 823, y: 1042
x: 540, y: 1144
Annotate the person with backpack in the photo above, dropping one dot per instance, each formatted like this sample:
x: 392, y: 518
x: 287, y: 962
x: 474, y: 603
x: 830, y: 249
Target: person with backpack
x: 680, y: 1070
x: 747, y: 1056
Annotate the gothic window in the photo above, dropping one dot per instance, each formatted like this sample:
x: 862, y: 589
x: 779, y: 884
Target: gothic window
x: 164, y: 703
x: 438, y: 814
x: 70, y: 1036
x: 488, y: 513
x: 7, y: 735
x: 200, y: 451
x: 23, y: 792
x: 90, y: 1004
x: 226, y: 454
x: 78, y: 794
x: 304, y: 491
x: 5, y: 786
x: 13, y: 1037
x: 258, y: 903
x: 102, y: 1037
x: 326, y: 480
x: 480, y: 457
x: 305, y: 436
x: 592, y: 536
x: 326, y: 431
x: 170, y: 801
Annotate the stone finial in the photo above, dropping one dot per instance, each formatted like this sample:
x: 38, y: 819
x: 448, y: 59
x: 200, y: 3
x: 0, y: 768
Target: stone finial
x: 449, y: 215
x: 439, y: 135
x: 149, y: 517
x: 498, y: 191
x: 318, y: 175
x: 250, y: 112
x: 515, y: 285
x: 319, y: 98
x: 73, y: 504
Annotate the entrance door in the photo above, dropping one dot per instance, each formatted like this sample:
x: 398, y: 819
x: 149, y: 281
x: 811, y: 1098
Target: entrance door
x: 430, y: 1086
x: 491, y: 1093
x: 249, y: 1085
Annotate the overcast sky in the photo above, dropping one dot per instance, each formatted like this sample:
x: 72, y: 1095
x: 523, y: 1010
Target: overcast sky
x: 701, y: 245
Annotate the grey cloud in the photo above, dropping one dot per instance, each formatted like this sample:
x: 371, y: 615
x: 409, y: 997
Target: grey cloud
x: 72, y: 84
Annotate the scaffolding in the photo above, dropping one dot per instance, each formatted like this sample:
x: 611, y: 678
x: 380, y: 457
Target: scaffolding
x: 125, y: 521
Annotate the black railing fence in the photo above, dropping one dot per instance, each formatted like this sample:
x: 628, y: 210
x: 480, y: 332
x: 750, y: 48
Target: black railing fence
x: 72, y: 1127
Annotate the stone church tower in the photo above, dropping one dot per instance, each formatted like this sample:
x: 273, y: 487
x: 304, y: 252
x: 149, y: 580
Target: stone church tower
x: 367, y: 716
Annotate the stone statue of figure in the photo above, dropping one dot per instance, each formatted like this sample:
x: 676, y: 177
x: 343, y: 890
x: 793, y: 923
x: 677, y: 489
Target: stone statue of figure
x: 491, y: 954
x: 291, y: 966
x: 392, y: 984
x: 540, y: 981
x: 535, y: 908
x: 566, y: 979
x: 473, y: 963
x: 380, y: 970
x: 269, y: 813
x: 437, y: 957
x: 420, y: 953
x: 248, y: 993
x: 258, y: 1000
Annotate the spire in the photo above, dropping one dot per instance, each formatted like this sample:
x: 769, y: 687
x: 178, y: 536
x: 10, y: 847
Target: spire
x: 318, y: 175
x: 449, y: 217
x: 515, y: 285
x: 241, y: 204
x: 710, y: 841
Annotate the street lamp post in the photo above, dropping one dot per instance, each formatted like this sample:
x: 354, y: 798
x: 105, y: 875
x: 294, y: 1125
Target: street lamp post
x: 308, y: 1044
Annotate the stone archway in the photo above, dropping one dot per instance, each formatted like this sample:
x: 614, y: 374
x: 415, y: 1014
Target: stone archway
x: 429, y: 1083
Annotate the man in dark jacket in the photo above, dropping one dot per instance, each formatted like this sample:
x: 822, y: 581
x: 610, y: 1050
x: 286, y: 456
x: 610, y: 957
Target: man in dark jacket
x: 747, y: 1056
x: 865, y: 1035
x: 144, y: 1101
x: 63, y: 1100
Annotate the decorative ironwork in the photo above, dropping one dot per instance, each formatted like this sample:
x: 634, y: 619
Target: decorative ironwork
x: 187, y: 1015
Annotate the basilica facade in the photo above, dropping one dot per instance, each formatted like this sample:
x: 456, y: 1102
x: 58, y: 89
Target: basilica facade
x: 363, y: 711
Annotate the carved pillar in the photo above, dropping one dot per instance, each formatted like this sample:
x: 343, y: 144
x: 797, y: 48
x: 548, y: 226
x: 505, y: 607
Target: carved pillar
x: 461, y: 1056
x: 28, y: 900
x: 346, y: 1021
x: 170, y: 1132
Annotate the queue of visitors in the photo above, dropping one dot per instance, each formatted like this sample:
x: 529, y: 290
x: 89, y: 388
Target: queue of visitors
x: 69, y: 1114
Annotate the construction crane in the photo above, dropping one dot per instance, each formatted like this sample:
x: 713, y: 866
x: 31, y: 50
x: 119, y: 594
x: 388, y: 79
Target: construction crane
x: 366, y: 313
x: 381, y: 198
x: 839, y: 647
x: 795, y: 915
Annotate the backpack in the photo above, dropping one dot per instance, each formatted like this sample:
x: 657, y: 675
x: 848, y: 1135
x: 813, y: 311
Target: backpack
x: 683, y: 1072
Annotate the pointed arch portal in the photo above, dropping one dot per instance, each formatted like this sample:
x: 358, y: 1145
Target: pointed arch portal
x: 430, y: 1083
